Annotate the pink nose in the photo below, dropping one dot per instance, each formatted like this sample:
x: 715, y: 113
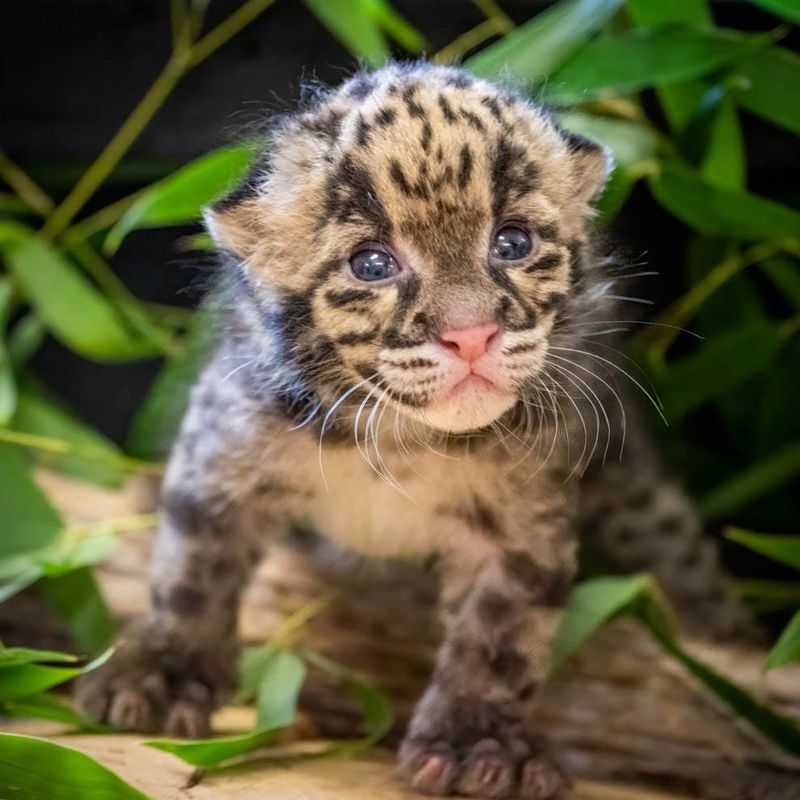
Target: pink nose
x: 470, y: 343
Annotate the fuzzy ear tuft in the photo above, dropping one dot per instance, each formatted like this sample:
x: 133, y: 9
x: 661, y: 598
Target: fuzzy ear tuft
x: 592, y: 164
x: 234, y: 221
x: 234, y: 226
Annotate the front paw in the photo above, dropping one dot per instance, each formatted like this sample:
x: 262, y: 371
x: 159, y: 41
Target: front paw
x: 488, y: 768
x: 150, y: 688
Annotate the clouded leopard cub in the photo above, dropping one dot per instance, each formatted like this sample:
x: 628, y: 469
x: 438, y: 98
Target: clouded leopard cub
x: 408, y: 363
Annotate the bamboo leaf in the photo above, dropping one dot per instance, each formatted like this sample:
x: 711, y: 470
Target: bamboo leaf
x: 214, y: 751
x: 592, y: 604
x: 788, y: 9
x: 278, y: 689
x: 639, y: 59
x: 76, y: 598
x: 60, y: 773
x: 351, y: 23
x: 8, y: 387
x: 600, y: 599
x: 275, y: 676
x: 784, y: 272
x: 45, y: 706
x: 19, y: 656
x: 405, y: 34
x: 680, y: 100
x: 785, y: 549
x: 717, y: 211
x: 182, y: 196
x: 71, y: 308
x: 156, y: 422
x: 39, y: 415
x: 755, y: 482
x: 630, y: 142
x: 770, y: 82
x: 719, y: 366
x: 787, y: 648
x: 29, y: 522
x: 532, y: 51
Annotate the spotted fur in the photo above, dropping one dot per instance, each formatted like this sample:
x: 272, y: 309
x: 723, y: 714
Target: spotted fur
x: 321, y: 404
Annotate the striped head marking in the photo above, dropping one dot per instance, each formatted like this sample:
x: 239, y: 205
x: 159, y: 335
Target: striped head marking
x: 418, y: 230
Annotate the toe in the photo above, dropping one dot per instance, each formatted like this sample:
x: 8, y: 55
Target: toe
x: 435, y: 775
x: 541, y: 780
x: 186, y: 721
x: 490, y: 776
x: 131, y: 711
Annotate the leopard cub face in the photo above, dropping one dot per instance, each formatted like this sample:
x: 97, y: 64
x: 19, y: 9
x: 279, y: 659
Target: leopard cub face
x: 416, y: 236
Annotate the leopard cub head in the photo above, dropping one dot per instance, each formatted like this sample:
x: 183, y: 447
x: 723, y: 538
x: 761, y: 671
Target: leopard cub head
x: 416, y: 235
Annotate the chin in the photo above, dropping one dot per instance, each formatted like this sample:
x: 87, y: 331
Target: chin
x: 475, y: 404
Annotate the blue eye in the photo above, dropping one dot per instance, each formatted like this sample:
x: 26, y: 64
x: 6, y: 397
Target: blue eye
x: 511, y: 242
x: 373, y: 264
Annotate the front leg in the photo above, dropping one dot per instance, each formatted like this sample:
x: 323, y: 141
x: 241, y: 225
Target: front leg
x: 471, y: 730
x: 173, y: 666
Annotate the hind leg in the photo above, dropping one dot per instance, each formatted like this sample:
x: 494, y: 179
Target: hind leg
x: 643, y: 519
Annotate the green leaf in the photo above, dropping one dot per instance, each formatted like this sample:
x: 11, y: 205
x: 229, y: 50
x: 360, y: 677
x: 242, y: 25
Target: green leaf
x: 275, y: 676
x: 18, y: 656
x: 33, y: 769
x: 45, y: 706
x: 8, y: 387
x: 787, y: 648
x: 69, y: 552
x: 639, y: 59
x: 712, y: 139
x: 157, y: 421
x: 785, y: 549
x: 679, y: 101
x: 657, y: 13
x: 719, y: 366
x: 76, y: 598
x: 753, y: 483
x: 532, y: 51
x: 597, y: 600
x: 29, y: 521
x: 71, y: 308
x: 375, y: 706
x: 24, y: 680
x: 784, y: 272
x: 770, y: 82
x: 93, y: 457
x: 399, y: 29
x: 211, y: 752
x: 630, y: 142
x: 592, y: 604
x: 25, y: 339
x: 788, y: 9
x: 352, y: 24
x: 278, y: 689
x: 717, y: 211
x: 779, y: 729
x: 182, y: 196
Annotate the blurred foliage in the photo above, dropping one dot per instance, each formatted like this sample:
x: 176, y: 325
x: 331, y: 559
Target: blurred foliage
x: 660, y: 85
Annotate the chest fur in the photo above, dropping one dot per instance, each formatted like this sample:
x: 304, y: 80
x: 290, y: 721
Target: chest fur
x: 416, y: 507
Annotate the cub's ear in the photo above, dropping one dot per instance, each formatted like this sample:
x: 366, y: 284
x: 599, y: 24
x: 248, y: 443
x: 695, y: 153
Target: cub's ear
x: 235, y: 221
x: 592, y: 164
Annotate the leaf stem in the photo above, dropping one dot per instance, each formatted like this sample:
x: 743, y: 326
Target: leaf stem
x: 24, y: 186
x: 180, y: 62
x: 658, y: 340
x: 492, y: 10
x: 468, y: 41
x: 51, y: 445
